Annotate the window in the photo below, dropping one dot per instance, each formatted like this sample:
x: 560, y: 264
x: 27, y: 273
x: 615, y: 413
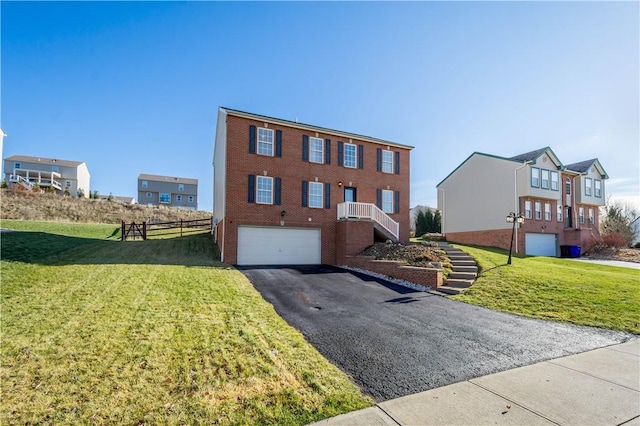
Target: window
x: 148, y: 194
x: 598, y: 188
x: 581, y: 214
x: 592, y: 218
x: 190, y: 199
x: 567, y: 186
x: 181, y: 187
x: 145, y: 184
x: 559, y: 213
x: 264, y: 193
x: 316, y: 150
x: 315, y: 195
x: 179, y: 198
x: 538, y: 210
x: 387, y: 161
x: 165, y: 198
x: 547, y: 211
x: 588, y: 182
x: 554, y: 181
x: 545, y: 179
x: 17, y: 165
x: 265, y: 141
x: 535, y: 177
x: 387, y: 200
x: 67, y: 183
x: 527, y: 209
x: 54, y: 169
x: 350, y: 156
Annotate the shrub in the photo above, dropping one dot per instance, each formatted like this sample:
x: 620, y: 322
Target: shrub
x: 612, y: 241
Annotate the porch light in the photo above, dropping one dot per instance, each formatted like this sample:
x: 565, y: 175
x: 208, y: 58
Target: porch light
x: 513, y: 218
x: 340, y: 184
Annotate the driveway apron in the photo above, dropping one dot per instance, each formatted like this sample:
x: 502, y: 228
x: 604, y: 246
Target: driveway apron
x: 394, y: 341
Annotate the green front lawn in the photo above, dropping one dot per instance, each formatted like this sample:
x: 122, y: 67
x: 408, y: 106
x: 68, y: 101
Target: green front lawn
x: 556, y: 289
x: 95, y: 330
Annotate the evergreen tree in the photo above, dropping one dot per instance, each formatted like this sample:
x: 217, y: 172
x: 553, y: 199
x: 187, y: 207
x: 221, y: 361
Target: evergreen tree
x: 429, y: 220
x: 437, y: 222
x: 421, y: 224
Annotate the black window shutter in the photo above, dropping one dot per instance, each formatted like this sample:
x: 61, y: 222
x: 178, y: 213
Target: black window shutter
x: 360, y: 156
x: 396, y: 168
x: 379, y: 160
x: 305, y: 193
x: 340, y: 153
x: 396, y: 202
x: 305, y: 148
x: 252, y: 139
x: 278, y: 196
x: 251, y: 194
x: 278, y: 143
x: 379, y: 198
x: 327, y: 151
x: 327, y: 195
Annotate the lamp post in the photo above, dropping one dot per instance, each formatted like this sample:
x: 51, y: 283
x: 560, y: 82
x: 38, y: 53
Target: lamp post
x: 513, y: 218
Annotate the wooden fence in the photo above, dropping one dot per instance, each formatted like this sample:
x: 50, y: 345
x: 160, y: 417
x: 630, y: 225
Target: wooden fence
x: 145, y: 230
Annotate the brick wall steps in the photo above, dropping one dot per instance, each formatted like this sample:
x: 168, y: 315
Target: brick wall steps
x: 464, y: 270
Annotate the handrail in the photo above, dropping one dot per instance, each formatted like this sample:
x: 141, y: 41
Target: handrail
x: 350, y: 209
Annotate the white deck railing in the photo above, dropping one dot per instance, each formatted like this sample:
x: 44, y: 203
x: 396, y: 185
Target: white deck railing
x: 351, y: 210
x: 39, y: 177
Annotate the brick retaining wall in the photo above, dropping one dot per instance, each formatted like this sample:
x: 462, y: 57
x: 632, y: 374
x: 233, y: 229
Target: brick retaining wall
x: 431, y: 277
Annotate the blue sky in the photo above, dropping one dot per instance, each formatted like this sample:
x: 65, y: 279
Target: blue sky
x: 134, y: 87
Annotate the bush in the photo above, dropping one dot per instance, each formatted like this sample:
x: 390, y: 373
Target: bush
x: 612, y: 241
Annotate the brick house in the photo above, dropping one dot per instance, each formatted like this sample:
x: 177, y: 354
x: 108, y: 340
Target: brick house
x: 293, y: 193
x: 559, y: 202
x: 169, y: 191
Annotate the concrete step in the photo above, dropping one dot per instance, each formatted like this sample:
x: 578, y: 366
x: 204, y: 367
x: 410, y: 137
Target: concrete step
x: 460, y: 257
x: 465, y: 268
x: 463, y: 262
x: 462, y: 276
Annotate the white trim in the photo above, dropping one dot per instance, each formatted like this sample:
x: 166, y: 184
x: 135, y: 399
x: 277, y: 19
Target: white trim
x: 386, y: 152
x: 312, y: 151
x: 270, y: 143
x: 321, y: 186
x: 355, y: 156
x: 264, y: 191
x: 389, y: 202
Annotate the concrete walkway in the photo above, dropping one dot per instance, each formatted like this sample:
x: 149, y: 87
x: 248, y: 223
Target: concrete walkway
x: 596, y: 387
x: 618, y: 263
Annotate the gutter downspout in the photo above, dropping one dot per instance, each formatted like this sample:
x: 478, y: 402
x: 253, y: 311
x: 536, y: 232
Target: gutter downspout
x: 516, y: 201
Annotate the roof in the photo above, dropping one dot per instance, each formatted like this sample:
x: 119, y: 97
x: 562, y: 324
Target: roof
x: 532, y: 156
x: 173, y: 179
x: 312, y: 127
x: 43, y: 160
x: 584, y: 166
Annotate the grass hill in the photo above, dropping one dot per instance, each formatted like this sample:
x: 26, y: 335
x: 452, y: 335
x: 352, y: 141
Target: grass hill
x: 26, y: 205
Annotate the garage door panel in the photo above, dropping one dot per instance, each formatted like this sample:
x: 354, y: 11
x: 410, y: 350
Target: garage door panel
x: 540, y: 244
x: 278, y: 246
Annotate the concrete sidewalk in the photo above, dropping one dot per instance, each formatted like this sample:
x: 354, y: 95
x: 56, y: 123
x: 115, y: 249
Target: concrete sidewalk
x: 597, y: 387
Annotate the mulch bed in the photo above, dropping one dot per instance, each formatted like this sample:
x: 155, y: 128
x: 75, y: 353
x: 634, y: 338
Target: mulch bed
x: 414, y: 254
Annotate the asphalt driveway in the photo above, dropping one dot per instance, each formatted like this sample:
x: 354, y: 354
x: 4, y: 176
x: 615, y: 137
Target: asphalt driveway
x: 395, y: 341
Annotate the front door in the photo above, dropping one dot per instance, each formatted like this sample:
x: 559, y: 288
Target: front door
x: 349, y: 194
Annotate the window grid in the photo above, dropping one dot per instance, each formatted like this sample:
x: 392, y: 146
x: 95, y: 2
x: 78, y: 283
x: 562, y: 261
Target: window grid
x: 265, y: 141
x: 587, y: 186
x: 17, y: 165
x: 387, y: 161
x: 315, y: 195
x: 527, y: 209
x: 597, y: 188
x: 547, y: 211
x: 545, y: 179
x: 264, y: 190
x: 538, y: 210
x: 165, y: 198
x: 387, y: 201
x: 535, y: 177
x: 350, y: 156
x: 316, y: 150
x: 554, y: 181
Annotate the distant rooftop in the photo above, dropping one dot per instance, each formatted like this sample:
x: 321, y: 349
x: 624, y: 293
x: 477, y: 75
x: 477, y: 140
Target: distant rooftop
x: 159, y: 178
x: 43, y: 160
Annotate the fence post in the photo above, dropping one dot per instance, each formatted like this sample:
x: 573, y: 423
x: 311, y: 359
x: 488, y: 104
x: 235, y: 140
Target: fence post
x: 144, y: 230
x: 181, y: 227
x: 122, y: 231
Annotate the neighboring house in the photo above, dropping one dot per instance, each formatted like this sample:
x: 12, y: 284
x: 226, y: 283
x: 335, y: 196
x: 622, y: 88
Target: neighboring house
x: 560, y: 203
x: 293, y: 193
x: 155, y: 190
x: 635, y: 226
x: 413, y: 214
x: 118, y: 199
x: 61, y: 176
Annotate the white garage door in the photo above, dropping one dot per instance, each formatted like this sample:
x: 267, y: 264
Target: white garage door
x: 278, y: 246
x: 540, y: 244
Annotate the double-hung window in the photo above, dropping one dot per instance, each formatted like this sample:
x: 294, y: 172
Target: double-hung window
x: 535, y: 177
x: 387, y: 161
x: 588, y: 182
x: 190, y: 199
x: 545, y: 179
x: 350, y: 155
x: 315, y: 195
x: 387, y: 201
x: 181, y: 187
x: 592, y: 218
x: 527, y: 209
x: 597, y: 188
x: 538, y: 210
x: 316, y: 150
x: 165, y: 198
x: 67, y: 183
x: 581, y: 214
x: 264, y: 190
x: 265, y: 141
x: 178, y: 198
x: 559, y: 213
x: 17, y: 165
x: 547, y: 211
x: 145, y: 184
x: 554, y: 181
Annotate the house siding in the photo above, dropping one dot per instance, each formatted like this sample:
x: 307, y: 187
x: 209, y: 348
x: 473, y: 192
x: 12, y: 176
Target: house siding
x: 157, y: 185
x: 292, y: 170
